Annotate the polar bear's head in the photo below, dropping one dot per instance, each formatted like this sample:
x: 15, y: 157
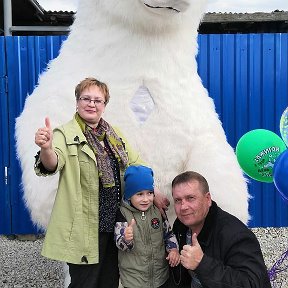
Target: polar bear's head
x: 149, y: 15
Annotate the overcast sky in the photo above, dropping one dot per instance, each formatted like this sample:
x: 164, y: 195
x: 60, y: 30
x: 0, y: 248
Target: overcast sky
x: 213, y: 5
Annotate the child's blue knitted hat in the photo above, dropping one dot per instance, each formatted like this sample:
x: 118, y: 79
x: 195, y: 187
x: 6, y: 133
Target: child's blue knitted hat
x: 137, y: 178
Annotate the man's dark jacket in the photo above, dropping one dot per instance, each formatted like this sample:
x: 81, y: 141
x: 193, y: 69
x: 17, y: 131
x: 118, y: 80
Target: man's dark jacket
x: 232, y: 254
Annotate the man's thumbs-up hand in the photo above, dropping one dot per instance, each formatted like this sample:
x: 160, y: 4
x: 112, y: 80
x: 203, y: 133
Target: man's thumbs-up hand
x: 195, y: 242
x: 128, y: 233
x: 191, y: 255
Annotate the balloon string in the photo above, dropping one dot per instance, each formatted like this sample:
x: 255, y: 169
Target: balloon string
x: 275, y: 269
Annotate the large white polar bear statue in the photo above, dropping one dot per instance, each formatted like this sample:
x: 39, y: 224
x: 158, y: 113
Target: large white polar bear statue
x: 145, y: 51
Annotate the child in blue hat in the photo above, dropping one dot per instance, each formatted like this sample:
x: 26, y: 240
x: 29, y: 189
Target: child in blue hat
x: 145, y: 241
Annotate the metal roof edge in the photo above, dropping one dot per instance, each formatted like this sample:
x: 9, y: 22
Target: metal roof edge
x: 245, y: 17
x: 38, y: 7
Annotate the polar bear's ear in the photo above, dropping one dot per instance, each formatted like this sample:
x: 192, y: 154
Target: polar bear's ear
x: 142, y: 104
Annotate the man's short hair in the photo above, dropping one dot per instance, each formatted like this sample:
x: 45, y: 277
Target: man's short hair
x: 190, y: 176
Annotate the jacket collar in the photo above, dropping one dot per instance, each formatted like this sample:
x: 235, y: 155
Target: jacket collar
x: 130, y: 207
x: 205, y: 235
x: 73, y: 133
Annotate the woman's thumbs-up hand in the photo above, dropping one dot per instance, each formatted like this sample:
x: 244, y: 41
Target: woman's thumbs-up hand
x: 44, y: 135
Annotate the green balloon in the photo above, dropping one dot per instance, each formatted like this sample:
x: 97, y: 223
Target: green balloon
x: 257, y: 151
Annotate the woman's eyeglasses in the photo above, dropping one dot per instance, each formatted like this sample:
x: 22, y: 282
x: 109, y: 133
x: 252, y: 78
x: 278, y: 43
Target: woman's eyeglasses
x: 96, y: 102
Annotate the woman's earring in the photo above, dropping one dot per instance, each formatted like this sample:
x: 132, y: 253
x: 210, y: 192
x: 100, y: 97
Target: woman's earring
x: 76, y: 108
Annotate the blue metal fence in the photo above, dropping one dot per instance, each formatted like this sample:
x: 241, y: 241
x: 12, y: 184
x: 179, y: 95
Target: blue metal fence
x: 5, y: 208
x: 245, y: 74
x: 26, y: 58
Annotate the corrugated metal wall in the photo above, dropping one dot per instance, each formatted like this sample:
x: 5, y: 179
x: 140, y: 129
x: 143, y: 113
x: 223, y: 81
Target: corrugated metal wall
x: 27, y: 57
x: 246, y: 74
x: 5, y: 208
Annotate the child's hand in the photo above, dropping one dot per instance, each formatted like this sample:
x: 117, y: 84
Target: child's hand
x: 173, y: 257
x: 128, y: 233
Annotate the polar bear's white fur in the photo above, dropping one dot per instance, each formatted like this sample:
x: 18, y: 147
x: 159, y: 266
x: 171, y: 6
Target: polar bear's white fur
x: 137, y: 44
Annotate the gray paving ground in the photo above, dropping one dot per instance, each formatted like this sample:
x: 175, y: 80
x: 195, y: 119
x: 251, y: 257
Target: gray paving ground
x: 21, y: 264
x: 274, y: 243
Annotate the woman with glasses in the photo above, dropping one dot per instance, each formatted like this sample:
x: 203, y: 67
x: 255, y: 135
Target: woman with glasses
x: 91, y: 158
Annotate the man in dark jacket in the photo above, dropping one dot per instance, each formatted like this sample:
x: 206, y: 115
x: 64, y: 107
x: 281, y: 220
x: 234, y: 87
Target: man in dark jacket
x: 218, y: 250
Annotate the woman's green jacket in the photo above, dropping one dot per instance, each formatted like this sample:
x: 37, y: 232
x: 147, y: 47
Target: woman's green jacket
x: 72, y: 233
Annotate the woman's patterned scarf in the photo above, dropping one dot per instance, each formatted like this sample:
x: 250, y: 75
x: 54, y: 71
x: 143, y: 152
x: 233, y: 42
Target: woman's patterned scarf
x: 94, y: 138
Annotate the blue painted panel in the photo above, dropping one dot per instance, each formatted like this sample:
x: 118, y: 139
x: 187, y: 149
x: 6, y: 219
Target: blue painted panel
x: 268, y: 108
x: 17, y: 87
x: 281, y: 100
x: 228, y: 115
x: 5, y: 201
x: 251, y: 94
x: 215, y: 75
x: 27, y: 58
